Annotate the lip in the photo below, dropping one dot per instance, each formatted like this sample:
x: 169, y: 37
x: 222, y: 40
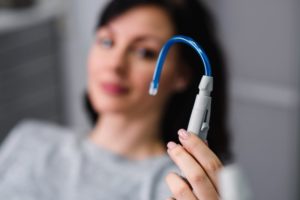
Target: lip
x: 114, y: 89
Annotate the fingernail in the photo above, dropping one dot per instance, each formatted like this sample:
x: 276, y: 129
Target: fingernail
x: 183, y: 134
x: 171, y: 145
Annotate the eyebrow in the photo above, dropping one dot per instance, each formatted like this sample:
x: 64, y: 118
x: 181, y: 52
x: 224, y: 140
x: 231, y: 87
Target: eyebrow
x: 140, y: 38
x: 148, y: 37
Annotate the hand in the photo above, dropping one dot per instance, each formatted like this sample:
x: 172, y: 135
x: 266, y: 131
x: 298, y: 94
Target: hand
x: 198, y: 164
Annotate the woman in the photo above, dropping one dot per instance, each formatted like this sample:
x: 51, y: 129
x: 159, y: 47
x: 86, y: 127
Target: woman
x: 125, y: 156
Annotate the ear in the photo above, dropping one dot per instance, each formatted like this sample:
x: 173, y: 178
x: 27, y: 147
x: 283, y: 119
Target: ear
x: 180, y: 84
x: 182, y: 79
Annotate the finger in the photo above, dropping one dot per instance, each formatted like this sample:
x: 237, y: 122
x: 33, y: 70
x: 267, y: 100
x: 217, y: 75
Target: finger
x: 196, y: 176
x: 179, y: 188
x: 202, y: 153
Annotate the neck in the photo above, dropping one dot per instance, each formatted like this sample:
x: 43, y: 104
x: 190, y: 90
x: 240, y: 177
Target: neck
x: 135, y: 137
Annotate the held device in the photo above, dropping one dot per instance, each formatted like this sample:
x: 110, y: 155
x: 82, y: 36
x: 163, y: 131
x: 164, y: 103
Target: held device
x: 233, y: 185
x: 199, y: 120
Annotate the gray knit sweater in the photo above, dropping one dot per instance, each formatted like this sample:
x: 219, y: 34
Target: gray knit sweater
x: 40, y: 161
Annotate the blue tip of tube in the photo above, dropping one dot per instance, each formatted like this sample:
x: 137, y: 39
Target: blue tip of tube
x: 153, y: 90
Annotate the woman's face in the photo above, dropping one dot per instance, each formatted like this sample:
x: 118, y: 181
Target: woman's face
x: 122, y: 61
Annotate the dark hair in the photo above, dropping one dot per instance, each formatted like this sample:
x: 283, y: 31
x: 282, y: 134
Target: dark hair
x: 192, y: 19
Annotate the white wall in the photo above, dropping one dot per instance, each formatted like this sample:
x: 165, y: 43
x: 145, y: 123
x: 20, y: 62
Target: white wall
x: 261, y: 40
x: 80, y: 22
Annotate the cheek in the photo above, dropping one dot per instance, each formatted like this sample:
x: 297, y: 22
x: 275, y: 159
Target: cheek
x: 93, y: 62
x: 167, y: 79
x: 93, y: 70
x: 166, y: 84
x: 142, y: 80
x: 95, y: 66
x: 142, y: 77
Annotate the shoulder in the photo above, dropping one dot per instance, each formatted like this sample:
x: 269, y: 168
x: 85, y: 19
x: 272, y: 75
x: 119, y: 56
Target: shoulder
x: 33, y: 137
x: 32, y: 156
x: 38, y: 129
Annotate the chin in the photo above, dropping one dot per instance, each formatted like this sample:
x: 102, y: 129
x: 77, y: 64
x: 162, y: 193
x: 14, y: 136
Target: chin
x: 111, y: 107
x: 104, y: 104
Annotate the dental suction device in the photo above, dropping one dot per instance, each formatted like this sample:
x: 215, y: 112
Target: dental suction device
x: 200, y: 116
x: 233, y: 185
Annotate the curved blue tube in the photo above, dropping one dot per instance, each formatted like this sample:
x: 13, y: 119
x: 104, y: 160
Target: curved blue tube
x: 163, y: 54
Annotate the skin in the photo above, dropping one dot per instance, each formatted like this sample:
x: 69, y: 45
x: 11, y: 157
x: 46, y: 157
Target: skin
x: 120, y: 68
x: 199, y: 165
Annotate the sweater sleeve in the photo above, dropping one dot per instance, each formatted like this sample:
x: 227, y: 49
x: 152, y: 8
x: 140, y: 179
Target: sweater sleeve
x: 18, y: 155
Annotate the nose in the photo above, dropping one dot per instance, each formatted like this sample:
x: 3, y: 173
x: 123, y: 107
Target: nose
x: 118, y: 61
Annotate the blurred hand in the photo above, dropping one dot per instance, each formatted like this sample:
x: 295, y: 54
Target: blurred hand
x: 198, y: 164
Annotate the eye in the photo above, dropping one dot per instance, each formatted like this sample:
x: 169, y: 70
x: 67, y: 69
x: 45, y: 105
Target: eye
x: 105, y: 42
x: 146, y: 53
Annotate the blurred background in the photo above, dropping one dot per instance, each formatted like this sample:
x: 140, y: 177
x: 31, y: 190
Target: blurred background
x: 43, y: 50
